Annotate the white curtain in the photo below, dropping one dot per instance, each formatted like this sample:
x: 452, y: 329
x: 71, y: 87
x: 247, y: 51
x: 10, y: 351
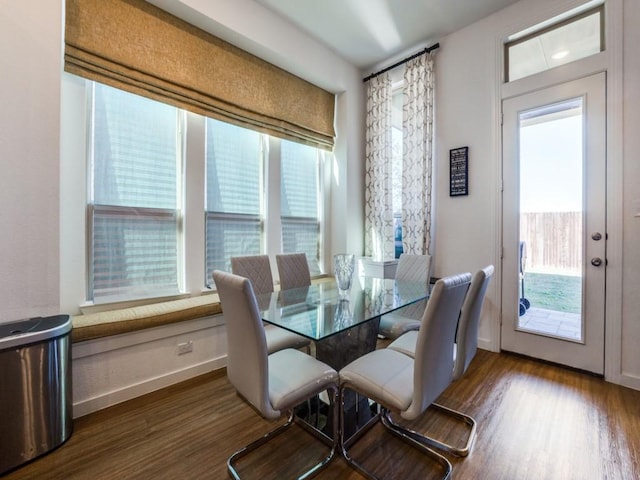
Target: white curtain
x: 417, y: 133
x: 379, y: 241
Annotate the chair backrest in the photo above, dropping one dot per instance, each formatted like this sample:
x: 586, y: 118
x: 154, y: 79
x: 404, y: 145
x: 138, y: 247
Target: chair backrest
x: 247, y: 357
x: 467, y: 335
x: 293, y: 270
x: 433, y: 363
x: 257, y: 269
x: 413, y: 268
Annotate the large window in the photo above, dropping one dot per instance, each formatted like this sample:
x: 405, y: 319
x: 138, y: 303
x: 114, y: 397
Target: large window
x: 173, y: 196
x: 234, y: 194
x: 133, y: 205
x: 299, y: 204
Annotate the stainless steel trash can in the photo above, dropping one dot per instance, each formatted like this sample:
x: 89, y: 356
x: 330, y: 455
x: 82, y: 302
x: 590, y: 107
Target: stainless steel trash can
x: 35, y: 388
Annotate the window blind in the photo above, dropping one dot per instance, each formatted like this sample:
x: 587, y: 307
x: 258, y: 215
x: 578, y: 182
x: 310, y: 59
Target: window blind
x: 135, y: 46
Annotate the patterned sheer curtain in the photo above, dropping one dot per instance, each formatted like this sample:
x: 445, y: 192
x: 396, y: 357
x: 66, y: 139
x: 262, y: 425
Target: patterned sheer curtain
x: 417, y: 133
x: 379, y: 240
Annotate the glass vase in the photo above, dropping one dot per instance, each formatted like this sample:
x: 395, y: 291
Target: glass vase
x: 344, y: 265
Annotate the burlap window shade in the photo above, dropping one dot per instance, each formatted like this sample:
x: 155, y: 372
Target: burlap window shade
x: 137, y: 47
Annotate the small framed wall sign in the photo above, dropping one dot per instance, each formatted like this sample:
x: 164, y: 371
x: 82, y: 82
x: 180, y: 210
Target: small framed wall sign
x: 459, y: 171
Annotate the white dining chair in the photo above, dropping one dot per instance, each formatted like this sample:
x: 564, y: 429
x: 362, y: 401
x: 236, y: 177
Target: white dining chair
x: 271, y: 383
x: 293, y: 270
x: 464, y: 350
x: 405, y: 385
x: 258, y: 270
x: 411, y: 268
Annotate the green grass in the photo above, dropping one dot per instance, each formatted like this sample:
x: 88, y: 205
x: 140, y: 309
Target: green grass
x: 554, y: 292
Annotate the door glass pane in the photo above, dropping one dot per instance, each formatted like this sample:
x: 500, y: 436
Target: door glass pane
x: 551, y: 219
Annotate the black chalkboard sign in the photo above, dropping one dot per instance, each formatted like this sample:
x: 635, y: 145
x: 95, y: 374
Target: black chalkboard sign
x: 459, y: 171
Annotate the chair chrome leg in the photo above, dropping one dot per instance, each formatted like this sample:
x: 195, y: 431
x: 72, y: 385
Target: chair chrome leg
x: 342, y: 442
x: 420, y: 437
x: 404, y: 436
x: 233, y: 459
x: 255, y: 444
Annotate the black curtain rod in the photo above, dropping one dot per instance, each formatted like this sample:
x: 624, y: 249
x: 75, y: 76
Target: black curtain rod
x: 397, y: 64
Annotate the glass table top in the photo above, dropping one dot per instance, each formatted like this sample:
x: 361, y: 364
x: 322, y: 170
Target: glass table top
x: 318, y: 311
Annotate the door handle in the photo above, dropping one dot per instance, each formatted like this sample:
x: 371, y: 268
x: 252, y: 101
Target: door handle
x: 596, y: 236
x: 596, y: 261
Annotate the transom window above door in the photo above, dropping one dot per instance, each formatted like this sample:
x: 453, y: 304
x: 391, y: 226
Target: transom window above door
x: 544, y: 47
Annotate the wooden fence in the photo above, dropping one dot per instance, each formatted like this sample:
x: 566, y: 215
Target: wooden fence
x: 553, y: 242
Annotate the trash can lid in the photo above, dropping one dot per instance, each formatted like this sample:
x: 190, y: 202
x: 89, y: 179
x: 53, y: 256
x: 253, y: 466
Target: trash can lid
x: 32, y: 330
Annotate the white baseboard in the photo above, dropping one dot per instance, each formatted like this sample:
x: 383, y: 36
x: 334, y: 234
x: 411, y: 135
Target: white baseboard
x: 487, y: 345
x: 629, y: 380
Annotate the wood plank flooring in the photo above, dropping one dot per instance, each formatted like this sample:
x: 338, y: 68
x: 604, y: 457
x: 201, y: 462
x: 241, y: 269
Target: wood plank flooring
x: 535, y: 421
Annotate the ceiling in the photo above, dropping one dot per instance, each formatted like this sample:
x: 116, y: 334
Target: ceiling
x: 368, y: 32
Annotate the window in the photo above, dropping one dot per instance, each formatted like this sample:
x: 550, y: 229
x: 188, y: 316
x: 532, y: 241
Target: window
x: 564, y: 42
x: 166, y: 208
x: 396, y: 168
x: 299, y: 204
x: 133, y: 206
x: 234, y: 194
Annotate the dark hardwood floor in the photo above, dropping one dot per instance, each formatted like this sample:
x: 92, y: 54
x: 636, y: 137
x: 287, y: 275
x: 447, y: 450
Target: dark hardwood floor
x: 535, y: 421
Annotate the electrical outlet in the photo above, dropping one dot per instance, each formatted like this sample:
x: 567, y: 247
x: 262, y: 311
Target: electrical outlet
x: 185, y: 347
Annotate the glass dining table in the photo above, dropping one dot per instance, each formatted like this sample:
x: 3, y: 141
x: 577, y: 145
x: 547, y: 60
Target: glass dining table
x: 342, y: 327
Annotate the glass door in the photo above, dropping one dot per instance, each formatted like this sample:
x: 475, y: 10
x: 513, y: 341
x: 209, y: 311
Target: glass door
x: 553, y: 224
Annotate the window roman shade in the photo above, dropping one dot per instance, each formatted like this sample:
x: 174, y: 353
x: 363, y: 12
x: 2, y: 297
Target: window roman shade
x: 135, y: 46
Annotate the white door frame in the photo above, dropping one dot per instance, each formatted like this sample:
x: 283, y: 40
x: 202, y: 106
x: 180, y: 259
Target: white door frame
x: 610, y: 61
x: 589, y: 354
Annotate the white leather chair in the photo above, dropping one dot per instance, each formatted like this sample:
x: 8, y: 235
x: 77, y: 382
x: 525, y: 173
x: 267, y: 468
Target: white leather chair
x: 405, y: 385
x: 258, y: 270
x: 273, y: 383
x: 293, y: 270
x: 465, y: 349
x: 412, y: 268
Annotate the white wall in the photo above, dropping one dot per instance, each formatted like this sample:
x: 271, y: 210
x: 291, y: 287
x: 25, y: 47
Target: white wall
x: 30, y: 55
x: 630, y: 330
x: 465, y: 116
